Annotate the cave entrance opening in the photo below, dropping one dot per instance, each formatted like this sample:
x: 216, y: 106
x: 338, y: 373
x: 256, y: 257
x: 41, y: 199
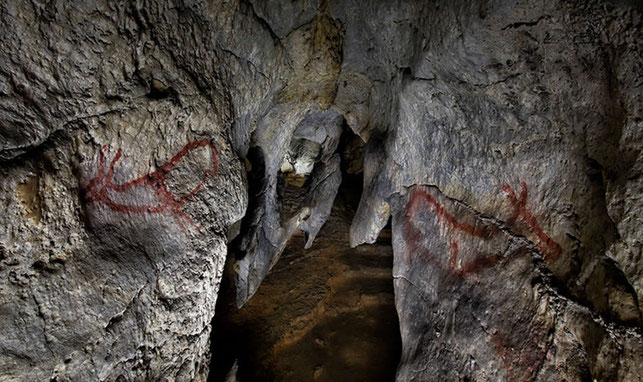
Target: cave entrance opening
x: 322, y: 314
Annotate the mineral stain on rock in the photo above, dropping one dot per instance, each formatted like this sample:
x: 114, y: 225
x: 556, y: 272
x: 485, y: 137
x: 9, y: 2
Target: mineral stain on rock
x: 28, y: 193
x: 102, y: 189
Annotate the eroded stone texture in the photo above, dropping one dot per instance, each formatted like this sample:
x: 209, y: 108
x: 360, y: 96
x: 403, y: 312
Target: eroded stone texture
x: 492, y: 308
x: 116, y: 226
x: 115, y: 275
x: 516, y: 114
x: 504, y: 138
x: 114, y: 229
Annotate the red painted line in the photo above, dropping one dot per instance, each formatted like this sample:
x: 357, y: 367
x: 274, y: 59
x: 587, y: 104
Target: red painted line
x: 454, y: 255
x: 421, y: 197
x: 98, y: 189
x: 521, y: 363
x: 551, y: 249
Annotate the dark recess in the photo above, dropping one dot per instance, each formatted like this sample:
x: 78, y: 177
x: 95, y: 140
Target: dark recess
x: 362, y: 344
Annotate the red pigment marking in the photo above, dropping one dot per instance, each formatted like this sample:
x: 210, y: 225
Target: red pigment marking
x: 422, y: 197
x: 521, y: 366
x: 553, y: 250
x: 98, y: 189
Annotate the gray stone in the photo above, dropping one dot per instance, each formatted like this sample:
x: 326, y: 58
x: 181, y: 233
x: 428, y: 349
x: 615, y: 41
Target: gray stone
x: 502, y: 138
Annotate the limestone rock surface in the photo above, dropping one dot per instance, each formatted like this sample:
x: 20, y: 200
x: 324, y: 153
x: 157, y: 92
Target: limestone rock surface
x: 119, y: 182
x: 142, y: 142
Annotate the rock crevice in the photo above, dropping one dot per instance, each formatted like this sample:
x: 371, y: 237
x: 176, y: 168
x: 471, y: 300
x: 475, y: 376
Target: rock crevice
x: 144, y: 143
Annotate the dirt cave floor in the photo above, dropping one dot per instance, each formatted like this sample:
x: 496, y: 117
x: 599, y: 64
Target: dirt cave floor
x: 322, y: 314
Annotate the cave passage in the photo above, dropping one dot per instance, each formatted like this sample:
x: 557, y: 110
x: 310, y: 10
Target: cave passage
x: 322, y: 314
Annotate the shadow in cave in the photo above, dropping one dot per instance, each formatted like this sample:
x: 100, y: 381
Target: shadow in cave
x: 322, y: 314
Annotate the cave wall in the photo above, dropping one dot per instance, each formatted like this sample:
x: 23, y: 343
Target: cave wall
x: 511, y: 128
x: 502, y: 139
x: 119, y: 181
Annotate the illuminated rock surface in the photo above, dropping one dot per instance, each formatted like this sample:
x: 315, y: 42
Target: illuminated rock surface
x: 144, y: 143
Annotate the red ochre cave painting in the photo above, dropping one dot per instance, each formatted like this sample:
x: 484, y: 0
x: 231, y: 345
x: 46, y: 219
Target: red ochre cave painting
x: 101, y: 188
x: 548, y: 247
x: 421, y: 200
x: 521, y: 365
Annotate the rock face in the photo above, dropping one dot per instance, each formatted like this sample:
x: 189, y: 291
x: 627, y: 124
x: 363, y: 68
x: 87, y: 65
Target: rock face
x: 119, y: 182
x: 503, y: 192
x: 141, y: 140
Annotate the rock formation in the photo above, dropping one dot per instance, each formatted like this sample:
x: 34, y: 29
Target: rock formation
x: 323, y: 313
x: 144, y: 142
